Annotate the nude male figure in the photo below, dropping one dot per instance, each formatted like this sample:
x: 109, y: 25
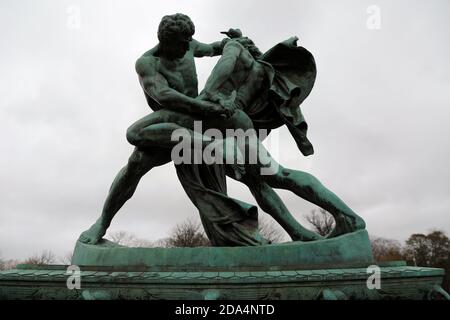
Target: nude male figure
x: 239, y: 70
x: 167, y: 74
x: 177, y: 52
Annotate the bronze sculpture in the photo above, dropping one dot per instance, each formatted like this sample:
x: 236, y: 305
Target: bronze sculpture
x: 246, y: 90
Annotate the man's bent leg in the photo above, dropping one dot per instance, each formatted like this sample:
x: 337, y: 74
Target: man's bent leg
x: 311, y: 189
x: 270, y: 202
x: 123, y: 188
x: 156, y: 129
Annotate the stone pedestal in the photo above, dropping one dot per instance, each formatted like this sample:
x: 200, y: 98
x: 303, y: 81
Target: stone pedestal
x: 330, y: 269
x: 350, y: 250
x: 50, y: 282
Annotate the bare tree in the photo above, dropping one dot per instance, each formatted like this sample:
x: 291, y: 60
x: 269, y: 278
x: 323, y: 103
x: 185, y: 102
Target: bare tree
x: 185, y: 234
x: 128, y: 239
x: 9, y: 264
x: 386, y: 249
x: 188, y: 234
x: 428, y: 250
x: 439, y: 247
x: 322, y: 222
x: 270, y: 231
x: 122, y: 237
x: 142, y: 243
x: 66, y: 259
x: 431, y: 250
x: 46, y: 257
x: 162, y: 243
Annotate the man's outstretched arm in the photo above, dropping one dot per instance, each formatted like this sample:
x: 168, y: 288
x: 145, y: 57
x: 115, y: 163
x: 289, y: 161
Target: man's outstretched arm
x: 207, y: 49
x: 156, y: 86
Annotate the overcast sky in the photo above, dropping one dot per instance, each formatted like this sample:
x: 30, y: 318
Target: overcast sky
x: 379, y: 113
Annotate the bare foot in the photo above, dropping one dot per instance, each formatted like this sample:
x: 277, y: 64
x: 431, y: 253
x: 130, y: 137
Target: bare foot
x: 93, y: 234
x: 346, y: 224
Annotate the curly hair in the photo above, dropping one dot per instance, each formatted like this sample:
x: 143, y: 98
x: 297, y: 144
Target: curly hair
x: 175, y: 25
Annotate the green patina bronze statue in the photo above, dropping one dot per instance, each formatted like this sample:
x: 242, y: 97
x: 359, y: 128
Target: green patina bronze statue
x: 247, y: 91
x: 210, y: 136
